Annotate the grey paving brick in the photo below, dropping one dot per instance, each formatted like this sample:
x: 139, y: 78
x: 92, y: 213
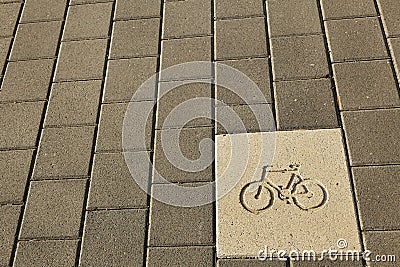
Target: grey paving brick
x: 125, y: 76
x: 46, y: 253
x: 238, y: 8
x: 73, y: 103
x: 112, y: 185
x: 194, y: 225
x: 390, y: 11
x: 180, y: 256
x: 250, y: 263
x: 354, y: 39
x: 53, y: 209
x: 111, y: 123
x: 347, y: 9
x: 368, y: 84
x: 395, y: 48
x: 8, y: 18
x: 189, y: 141
x: 4, y: 47
x: 87, y: 21
x: 8, y: 221
x: 126, y: 9
x: 135, y: 38
x: 80, y: 2
x: 303, y: 14
x: 328, y: 263
x: 114, y: 238
x: 19, y: 124
x: 80, y: 60
x: 187, y: 18
x: 384, y: 244
x: 372, y: 136
x: 41, y: 10
x: 377, y: 197
x: 240, y: 38
x: 27, y: 80
x: 256, y: 69
x: 64, y: 152
x: 14, y: 173
x: 36, y: 40
x: 305, y: 105
x: 299, y: 57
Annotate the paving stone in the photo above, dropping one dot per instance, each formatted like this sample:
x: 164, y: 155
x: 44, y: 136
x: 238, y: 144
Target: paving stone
x: 256, y: 69
x: 112, y: 185
x: 395, y: 48
x: 355, y: 39
x: 135, y: 38
x: 81, y: 60
x: 9, y: 18
x: 27, y: 80
x: 126, y: 9
x: 19, y: 124
x: 194, y: 225
x: 299, y: 57
x: 125, y: 76
x: 88, y: 21
x: 372, y: 136
x: 390, y: 11
x: 250, y: 263
x: 73, y: 103
x: 53, y: 209
x: 9, y: 221
x: 245, y: 226
x: 80, y: 2
x: 377, y: 197
x: 46, y: 253
x: 303, y: 14
x: 187, y: 18
x: 333, y: 9
x: 41, y: 10
x: 383, y: 244
x: 36, y: 40
x: 111, y: 124
x: 14, y: 172
x: 329, y: 263
x: 368, y: 84
x: 189, y: 142
x: 305, y: 105
x: 114, y: 238
x: 64, y: 152
x: 4, y: 47
x: 180, y: 256
x: 240, y: 38
x: 238, y: 8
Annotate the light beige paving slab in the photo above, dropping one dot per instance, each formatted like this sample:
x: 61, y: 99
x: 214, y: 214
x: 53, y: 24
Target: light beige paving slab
x: 320, y: 211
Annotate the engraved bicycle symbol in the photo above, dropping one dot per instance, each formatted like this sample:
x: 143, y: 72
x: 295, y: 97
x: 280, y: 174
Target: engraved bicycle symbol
x: 307, y: 194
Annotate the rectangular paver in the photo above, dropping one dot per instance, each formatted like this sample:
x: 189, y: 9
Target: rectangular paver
x: 127, y: 9
x: 180, y: 256
x: 4, y: 47
x: 334, y: 9
x: 390, y: 12
x: 9, y: 222
x: 41, y: 10
x: 241, y: 8
x: 250, y: 263
x: 8, y: 18
x: 384, y: 244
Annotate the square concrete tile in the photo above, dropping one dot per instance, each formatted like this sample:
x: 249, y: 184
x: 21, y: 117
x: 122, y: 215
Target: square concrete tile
x: 125, y: 76
x: 395, y: 49
x: 372, y: 136
x: 390, y: 10
x: 36, y: 40
x: 383, y: 244
x: 250, y: 263
x: 238, y: 8
x: 377, y: 197
x: 305, y: 105
x: 355, y: 39
x: 240, y: 38
x: 47, y: 253
x: 114, y: 238
x: 81, y: 60
x: 135, y: 38
x: 19, y: 124
x: 73, y: 103
x: 87, y: 21
x: 41, y: 10
x: 299, y: 57
x: 4, y: 47
x: 303, y: 14
x: 9, y: 222
x: 180, y: 256
x: 64, y: 152
x: 127, y: 9
x: 368, y: 84
x: 333, y: 9
x: 112, y: 185
x: 329, y: 263
x: 187, y: 18
x: 302, y: 221
x: 9, y: 18
x: 14, y: 173
x: 27, y: 80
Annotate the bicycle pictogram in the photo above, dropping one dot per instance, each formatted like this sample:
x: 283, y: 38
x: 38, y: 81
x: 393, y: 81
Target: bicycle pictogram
x: 307, y: 194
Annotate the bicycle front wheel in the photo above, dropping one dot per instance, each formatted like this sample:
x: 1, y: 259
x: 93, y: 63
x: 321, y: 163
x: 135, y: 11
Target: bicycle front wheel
x: 256, y: 197
x: 310, y: 194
